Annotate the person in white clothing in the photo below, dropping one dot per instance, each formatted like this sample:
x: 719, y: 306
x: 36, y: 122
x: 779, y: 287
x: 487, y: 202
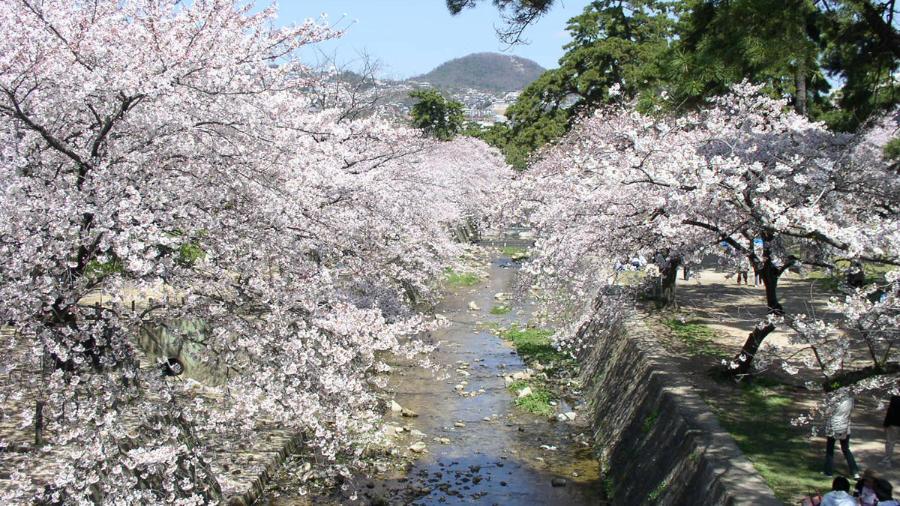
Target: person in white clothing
x: 840, y: 494
x: 865, y: 488
x: 838, y: 406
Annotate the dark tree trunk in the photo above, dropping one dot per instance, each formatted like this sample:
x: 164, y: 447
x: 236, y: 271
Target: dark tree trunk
x: 801, y: 99
x: 39, y: 424
x: 744, y: 359
x: 667, y: 280
x: 663, y: 291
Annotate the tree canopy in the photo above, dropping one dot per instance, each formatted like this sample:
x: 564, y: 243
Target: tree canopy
x: 836, y: 61
x: 437, y: 116
x: 202, y: 180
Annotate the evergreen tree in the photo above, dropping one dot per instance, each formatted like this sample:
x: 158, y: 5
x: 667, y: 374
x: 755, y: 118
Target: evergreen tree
x: 437, y: 116
x: 861, y: 47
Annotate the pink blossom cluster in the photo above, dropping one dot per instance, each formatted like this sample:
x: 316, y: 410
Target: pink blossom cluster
x: 166, y: 160
x: 744, y: 179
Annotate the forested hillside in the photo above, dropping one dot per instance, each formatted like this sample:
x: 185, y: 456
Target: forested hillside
x: 484, y: 71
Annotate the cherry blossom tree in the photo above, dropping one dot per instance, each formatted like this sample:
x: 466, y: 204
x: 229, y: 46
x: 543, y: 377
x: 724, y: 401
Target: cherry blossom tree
x: 745, y: 177
x: 167, y: 162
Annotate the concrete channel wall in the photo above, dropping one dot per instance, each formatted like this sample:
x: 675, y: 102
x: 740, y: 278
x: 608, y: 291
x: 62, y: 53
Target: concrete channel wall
x: 659, y: 441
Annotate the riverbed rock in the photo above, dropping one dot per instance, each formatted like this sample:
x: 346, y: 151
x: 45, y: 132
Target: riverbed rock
x: 408, y: 413
x: 442, y: 440
x: 459, y: 424
x: 391, y: 430
x: 395, y: 407
x: 418, y: 447
x: 558, y: 482
x: 521, y: 375
x: 525, y: 392
x: 473, y: 306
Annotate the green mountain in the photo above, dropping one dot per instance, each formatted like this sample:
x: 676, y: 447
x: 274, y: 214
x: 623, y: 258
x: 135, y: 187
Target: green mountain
x: 493, y: 72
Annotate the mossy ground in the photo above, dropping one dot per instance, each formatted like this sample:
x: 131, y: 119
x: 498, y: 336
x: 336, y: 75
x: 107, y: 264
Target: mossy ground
x: 537, y: 402
x: 697, y: 337
x: 759, y: 419
x: 534, y: 345
x: 515, y: 253
x: 500, y: 310
x: 454, y: 278
x: 757, y: 412
x: 835, y: 281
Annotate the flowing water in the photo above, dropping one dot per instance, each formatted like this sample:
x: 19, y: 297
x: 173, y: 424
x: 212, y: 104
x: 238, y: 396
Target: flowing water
x: 488, y: 451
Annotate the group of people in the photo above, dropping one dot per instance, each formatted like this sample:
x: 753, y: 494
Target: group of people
x: 870, y: 488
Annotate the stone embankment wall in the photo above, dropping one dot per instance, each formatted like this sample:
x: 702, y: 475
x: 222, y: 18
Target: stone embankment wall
x: 466, y: 231
x: 659, y: 441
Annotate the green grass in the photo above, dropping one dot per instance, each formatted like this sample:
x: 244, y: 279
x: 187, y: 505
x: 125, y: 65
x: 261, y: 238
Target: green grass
x: 759, y: 419
x: 534, y: 344
x: 189, y: 253
x: 650, y: 422
x: 494, y: 327
x: 876, y: 272
x: 537, y: 402
x: 630, y: 278
x: 660, y: 489
x: 501, y: 309
x: 609, y: 488
x: 98, y: 270
x: 454, y: 278
x: 697, y: 336
x: 827, y: 280
x: 514, y: 252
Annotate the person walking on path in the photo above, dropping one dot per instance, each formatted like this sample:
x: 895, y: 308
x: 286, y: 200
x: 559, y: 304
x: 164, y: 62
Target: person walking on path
x: 743, y: 267
x: 891, y: 429
x: 838, y: 406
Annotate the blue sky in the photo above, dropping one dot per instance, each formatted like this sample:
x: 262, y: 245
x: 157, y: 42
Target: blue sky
x: 410, y: 37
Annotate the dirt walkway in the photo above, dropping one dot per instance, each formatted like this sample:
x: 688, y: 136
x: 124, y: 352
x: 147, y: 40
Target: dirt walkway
x: 732, y: 310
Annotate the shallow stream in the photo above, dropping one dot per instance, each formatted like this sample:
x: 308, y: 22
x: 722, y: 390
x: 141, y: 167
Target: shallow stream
x: 481, y: 448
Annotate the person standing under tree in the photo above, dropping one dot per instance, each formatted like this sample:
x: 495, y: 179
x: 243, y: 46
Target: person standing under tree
x: 743, y: 268
x: 757, y: 267
x: 839, y: 405
x: 891, y: 429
